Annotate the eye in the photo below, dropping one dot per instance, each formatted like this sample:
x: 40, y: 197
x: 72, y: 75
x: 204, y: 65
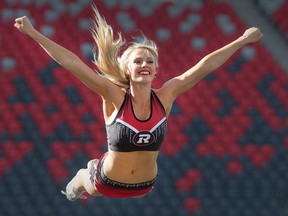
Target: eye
x: 137, y: 61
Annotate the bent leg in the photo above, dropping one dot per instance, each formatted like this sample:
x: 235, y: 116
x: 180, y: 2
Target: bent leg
x: 84, y: 180
x: 81, y: 183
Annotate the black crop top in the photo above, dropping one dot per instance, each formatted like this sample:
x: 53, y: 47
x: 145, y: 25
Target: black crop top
x: 126, y: 133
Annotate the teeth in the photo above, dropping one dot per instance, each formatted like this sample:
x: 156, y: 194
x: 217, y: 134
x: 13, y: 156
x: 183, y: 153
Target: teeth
x: 144, y: 73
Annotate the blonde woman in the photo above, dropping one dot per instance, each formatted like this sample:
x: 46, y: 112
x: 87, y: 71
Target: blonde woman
x: 135, y: 114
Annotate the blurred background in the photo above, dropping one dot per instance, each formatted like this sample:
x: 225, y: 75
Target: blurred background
x: 227, y: 144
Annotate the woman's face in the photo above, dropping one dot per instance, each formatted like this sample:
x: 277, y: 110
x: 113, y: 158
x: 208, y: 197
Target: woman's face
x: 141, y: 66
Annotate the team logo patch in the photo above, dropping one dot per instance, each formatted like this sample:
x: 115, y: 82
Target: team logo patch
x: 143, y: 138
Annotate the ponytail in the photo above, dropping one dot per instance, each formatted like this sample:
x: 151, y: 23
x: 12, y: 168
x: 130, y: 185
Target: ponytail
x: 108, y: 48
x: 107, y: 58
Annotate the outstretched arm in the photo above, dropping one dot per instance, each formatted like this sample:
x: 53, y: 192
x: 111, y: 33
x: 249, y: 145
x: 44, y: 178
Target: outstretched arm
x: 209, y: 63
x: 65, y: 58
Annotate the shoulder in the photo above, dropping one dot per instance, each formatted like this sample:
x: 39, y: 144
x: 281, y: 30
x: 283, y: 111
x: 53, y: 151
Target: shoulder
x: 112, y: 104
x: 115, y: 97
x: 166, y: 98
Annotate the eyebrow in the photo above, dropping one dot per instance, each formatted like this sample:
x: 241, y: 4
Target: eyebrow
x: 139, y: 57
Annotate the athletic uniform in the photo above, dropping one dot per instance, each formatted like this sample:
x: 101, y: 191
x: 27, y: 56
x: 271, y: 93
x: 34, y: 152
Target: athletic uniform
x: 127, y: 134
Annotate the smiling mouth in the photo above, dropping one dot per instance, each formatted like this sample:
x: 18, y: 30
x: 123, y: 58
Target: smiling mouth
x: 144, y: 72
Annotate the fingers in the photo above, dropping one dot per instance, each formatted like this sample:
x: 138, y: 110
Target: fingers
x: 256, y: 30
x: 253, y: 34
x: 257, y: 33
x: 19, y: 22
x: 23, y: 25
x: 17, y: 25
x: 20, y: 19
x: 253, y: 30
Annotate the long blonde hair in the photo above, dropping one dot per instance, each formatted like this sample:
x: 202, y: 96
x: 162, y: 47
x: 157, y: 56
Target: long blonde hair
x: 107, y: 56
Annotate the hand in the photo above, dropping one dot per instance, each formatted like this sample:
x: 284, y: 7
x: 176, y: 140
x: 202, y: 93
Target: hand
x: 24, y: 25
x: 252, y: 35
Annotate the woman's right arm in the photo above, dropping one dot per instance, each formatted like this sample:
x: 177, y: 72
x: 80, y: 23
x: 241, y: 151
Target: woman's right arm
x: 67, y: 59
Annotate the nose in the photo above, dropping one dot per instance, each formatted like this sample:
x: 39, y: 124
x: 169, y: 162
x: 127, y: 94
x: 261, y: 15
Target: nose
x: 144, y: 64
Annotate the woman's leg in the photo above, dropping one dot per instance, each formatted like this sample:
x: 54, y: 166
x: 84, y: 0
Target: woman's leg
x: 81, y: 183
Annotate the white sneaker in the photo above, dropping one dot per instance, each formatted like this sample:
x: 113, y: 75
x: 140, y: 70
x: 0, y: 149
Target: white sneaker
x: 71, y: 193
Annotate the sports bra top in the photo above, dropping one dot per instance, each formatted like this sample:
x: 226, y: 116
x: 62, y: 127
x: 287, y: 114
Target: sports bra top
x: 127, y: 133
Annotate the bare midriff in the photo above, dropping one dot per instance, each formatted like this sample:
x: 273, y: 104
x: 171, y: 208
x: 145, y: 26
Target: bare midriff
x: 131, y: 167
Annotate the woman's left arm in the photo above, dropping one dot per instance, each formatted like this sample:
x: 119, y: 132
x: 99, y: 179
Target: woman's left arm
x: 209, y: 63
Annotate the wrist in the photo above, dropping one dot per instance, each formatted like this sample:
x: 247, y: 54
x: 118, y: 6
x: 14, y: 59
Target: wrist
x: 243, y: 40
x: 33, y: 33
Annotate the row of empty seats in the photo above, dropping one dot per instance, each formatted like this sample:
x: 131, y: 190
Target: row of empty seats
x: 275, y: 11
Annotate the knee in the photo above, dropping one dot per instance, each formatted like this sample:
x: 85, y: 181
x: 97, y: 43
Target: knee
x: 81, y: 172
x: 89, y: 164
